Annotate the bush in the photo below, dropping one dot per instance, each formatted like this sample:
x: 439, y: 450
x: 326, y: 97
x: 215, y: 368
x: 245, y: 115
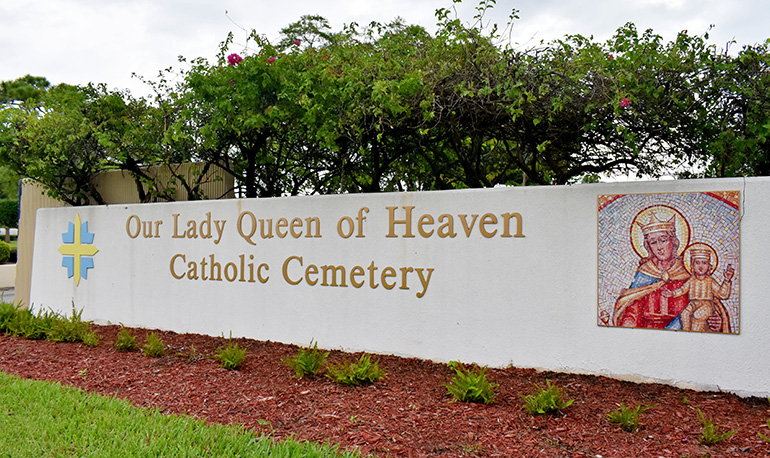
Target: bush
x: 50, y: 325
x: 766, y: 438
x: 308, y: 361
x: 9, y: 213
x: 154, y: 346
x: 710, y: 434
x: 7, y: 312
x: 91, y: 338
x: 71, y: 329
x: 231, y: 356
x: 628, y: 418
x: 471, y: 385
x: 125, y: 341
x: 545, y: 401
x: 5, y: 252
x: 24, y: 323
x: 192, y: 355
x: 362, y: 372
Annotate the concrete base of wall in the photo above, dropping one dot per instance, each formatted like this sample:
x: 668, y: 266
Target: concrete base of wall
x: 7, y: 275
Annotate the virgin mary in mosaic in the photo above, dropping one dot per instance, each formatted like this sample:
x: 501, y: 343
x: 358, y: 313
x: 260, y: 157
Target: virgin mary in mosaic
x: 670, y: 261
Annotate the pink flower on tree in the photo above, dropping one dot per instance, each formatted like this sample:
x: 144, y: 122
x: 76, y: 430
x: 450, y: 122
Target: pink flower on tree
x: 271, y: 60
x: 234, y: 59
x: 625, y: 102
x: 296, y: 42
x: 610, y: 57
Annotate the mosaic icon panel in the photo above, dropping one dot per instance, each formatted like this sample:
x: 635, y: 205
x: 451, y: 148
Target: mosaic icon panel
x: 669, y: 261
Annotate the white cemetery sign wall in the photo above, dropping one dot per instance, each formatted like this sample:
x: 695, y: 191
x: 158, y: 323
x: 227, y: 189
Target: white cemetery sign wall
x: 655, y: 281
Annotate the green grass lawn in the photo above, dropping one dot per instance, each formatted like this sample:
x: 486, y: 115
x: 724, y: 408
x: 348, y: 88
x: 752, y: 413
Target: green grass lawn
x: 42, y: 419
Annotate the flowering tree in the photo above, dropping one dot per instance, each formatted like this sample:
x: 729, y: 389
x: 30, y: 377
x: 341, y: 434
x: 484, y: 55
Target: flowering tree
x: 392, y: 107
x: 238, y: 114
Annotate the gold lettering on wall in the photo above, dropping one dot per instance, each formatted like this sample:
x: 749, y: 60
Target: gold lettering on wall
x: 249, y: 226
x: 148, y: 229
x: 488, y: 225
x: 211, y: 269
x: 295, y: 272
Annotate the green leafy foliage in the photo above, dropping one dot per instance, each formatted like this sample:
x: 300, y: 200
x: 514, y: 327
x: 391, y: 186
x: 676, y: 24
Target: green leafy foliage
x: 549, y: 400
x: 471, y: 385
x: 230, y: 356
x: 7, y: 312
x: 69, y: 134
x: 362, y: 372
x: 25, y: 88
x: 124, y: 341
x: 392, y: 107
x: 308, y: 361
x: 45, y: 324
x: 192, y: 356
x: 628, y: 418
x: 9, y: 213
x: 5, y: 252
x: 154, y: 347
x: 91, y: 338
x: 765, y: 438
x: 710, y: 434
x: 25, y: 323
x: 71, y: 329
x: 9, y: 185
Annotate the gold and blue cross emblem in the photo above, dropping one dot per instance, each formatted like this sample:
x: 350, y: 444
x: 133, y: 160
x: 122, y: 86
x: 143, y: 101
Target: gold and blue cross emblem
x: 78, y: 250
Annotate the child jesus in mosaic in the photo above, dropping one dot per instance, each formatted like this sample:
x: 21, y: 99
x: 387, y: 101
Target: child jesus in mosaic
x: 704, y: 292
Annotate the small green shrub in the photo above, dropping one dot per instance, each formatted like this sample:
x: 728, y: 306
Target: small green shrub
x: 362, y: 372
x: 91, y: 338
x: 546, y: 401
x: 16, y: 323
x: 766, y: 438
x: 471, y: 385
x: 5, y: 252
x: 7, y: 312
x: 24, y: 323
x: 308, y: 361
x: 154, y: 347
x: 71, y: 329
x: 231, y: 356
x: 125, y: 341
x: 710, y: 434
x: 628, y: 418
x: 50, y: 325
x: 192, y: 356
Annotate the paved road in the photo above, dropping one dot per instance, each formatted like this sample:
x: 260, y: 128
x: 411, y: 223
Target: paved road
x: 7, y: 295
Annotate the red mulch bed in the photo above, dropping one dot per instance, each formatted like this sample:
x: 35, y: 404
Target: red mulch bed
x: 407, y: 414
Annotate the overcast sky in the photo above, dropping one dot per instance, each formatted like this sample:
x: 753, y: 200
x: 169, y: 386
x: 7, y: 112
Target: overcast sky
x: 105, y: 41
